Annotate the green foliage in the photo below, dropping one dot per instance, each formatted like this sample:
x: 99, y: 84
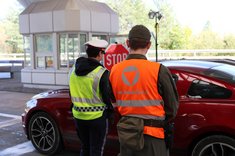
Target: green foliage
x: 170, y: 34
x: 169, y: 29
x: 174, y: 40
x: 207, y: 39
x: 229, y: 41
x: 131, y: 12
x: 13, y: 42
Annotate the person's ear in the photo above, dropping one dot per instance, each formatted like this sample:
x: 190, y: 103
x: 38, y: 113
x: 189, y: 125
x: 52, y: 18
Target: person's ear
x: 127, y: 43
x: 100, y: 54
x: 149, y: 45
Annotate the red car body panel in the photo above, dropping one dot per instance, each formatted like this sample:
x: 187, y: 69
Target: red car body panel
x: 196, y: 117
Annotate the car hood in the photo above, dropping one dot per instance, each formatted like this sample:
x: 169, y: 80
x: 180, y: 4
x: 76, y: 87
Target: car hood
x: 59, y: 93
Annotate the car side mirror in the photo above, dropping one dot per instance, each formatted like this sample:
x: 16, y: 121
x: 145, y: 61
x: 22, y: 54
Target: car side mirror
x: 175, y: 78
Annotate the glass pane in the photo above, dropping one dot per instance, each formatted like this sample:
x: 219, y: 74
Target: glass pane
x: 222, y: 72
x: 101, y: 37
x: 27, y: 62
x: 44, y: 43
x: 82, y: 42
x: 69, y: 49
x: 202, y: 89
x: 72, y: 48
x: 63, y: 51
x: 121, y: 39
x: 40, y: 62
x: 49, y: 61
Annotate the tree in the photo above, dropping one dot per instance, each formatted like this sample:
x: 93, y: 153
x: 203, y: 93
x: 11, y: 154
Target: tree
x: 131, y: 12
x: 229, y: 41
x: 187, y: 39
x: 207, y: 39
x: 171, y: 35
x: 10, y: 25
x: 3, y: 38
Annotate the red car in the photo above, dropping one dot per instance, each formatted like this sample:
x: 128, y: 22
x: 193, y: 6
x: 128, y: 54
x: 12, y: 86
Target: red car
x: 204, y: 126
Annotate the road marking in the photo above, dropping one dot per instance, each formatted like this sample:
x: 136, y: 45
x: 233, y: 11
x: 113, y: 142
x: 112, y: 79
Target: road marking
x: 18, y: 150
x: 10, y: 116
x: 9, y: 122
x: 16, y: 119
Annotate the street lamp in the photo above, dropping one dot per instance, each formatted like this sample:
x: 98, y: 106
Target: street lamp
x: 157, y: 15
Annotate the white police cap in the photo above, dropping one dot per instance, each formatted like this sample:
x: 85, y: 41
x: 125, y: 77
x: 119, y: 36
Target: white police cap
x: 97, y: 43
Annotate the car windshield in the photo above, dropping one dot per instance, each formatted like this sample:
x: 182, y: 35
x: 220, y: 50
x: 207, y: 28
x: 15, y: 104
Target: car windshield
x: 222, y: 72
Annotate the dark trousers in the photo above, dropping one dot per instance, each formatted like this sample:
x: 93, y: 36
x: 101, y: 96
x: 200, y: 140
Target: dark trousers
x: 92, y: 134
x: 152, y: 147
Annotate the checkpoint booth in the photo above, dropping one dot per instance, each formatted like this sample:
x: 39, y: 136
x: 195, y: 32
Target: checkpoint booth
x: 54, y: 33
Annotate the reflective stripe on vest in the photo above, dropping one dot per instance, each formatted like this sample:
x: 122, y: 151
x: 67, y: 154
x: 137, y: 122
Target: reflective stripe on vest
x: 89, y: 109
x: 95, y: 99
x: 138, y: 103
x: 134, y: 84
x: 85, y: 95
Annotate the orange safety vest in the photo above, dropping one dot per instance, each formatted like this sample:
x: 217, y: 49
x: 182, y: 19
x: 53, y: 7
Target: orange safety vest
x: 134, y: 84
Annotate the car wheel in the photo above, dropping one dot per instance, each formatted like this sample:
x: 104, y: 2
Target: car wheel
x: 44, y: 134
x: 216, y: 145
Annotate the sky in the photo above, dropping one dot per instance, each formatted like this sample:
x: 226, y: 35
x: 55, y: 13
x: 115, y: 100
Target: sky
x: 192, y: 13
x: 196, y: 13
x: 6, y: 5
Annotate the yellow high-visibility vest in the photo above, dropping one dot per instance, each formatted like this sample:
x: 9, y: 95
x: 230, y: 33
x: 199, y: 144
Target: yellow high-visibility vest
x: 85, y: 94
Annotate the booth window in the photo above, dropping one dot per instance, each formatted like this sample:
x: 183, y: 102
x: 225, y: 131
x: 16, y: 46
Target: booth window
x: 40, y: 62
x: 44, y: 43
x: 82, y: 42
x: 44, y: 51
x: 101, y: 37
x: 27, y: 62
x: 68, y: 49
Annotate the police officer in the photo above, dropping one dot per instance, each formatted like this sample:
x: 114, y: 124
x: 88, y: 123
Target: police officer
x: 89, y: 89
x: 146, y: 90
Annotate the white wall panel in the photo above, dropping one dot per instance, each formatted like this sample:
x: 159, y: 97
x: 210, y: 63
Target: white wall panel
x: 62, y: 79
x: 26, y: 77
x: 85, y: 20
x: 100, y: 22
x: 24, y: 24
x: 68, y: 20
x: 41, y: 22
x: 114, y: 23
x: 43, y: 78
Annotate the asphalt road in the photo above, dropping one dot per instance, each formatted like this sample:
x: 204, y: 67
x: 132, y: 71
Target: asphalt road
x: 12, y: 139
x: 13, y: 96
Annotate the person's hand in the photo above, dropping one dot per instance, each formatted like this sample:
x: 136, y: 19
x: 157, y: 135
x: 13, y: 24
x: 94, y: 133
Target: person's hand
x: 110, y: 116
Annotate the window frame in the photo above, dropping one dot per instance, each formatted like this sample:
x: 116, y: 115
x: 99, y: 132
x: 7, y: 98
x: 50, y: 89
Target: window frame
x: 43, y: 54
x: 204, y: 92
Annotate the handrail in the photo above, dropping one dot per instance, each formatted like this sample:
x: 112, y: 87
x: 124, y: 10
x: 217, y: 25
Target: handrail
x: 193, y: 54
x: 12, y: 63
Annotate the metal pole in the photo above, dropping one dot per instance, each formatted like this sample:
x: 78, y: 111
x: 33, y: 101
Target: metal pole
x: 156, y: 44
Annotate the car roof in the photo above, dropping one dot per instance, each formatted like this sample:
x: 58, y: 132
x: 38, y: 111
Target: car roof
x: 190, y: 65
x: 221, y: 71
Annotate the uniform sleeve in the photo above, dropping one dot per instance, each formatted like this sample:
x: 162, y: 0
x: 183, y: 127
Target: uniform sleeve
x: 105, y: 89
x: 168, y: 91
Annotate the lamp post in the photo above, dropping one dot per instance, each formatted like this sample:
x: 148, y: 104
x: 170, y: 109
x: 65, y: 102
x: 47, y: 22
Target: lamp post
x: 157, y: 15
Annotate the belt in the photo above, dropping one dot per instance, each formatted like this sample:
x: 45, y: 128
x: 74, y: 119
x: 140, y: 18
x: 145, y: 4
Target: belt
x: 154, y: 123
